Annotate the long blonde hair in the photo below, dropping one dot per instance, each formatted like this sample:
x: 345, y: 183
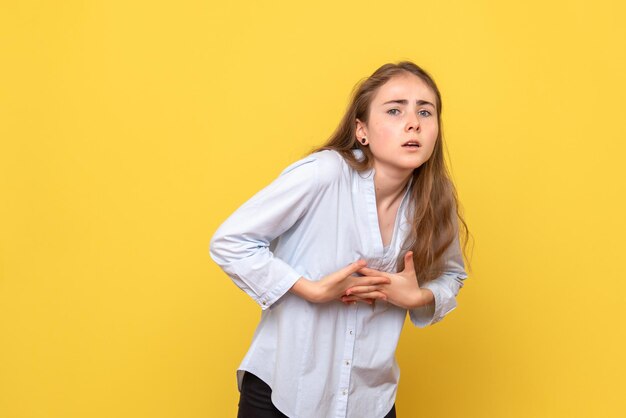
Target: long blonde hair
x: 436, y: 206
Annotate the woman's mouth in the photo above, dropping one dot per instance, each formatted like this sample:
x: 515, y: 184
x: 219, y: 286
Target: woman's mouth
x: 412, y: 143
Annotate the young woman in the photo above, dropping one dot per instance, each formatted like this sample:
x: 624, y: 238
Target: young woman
x: 339, y: 247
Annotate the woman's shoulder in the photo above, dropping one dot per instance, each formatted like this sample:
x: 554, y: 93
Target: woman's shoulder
x: 326, y: 165
x: 331, y: 166
x: 329, y: 158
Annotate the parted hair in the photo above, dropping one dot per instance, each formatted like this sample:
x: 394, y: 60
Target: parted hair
x: 436, y: 211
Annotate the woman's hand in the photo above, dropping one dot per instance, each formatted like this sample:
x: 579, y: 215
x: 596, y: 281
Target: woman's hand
x: 335, y: 285
x: 403, y: 289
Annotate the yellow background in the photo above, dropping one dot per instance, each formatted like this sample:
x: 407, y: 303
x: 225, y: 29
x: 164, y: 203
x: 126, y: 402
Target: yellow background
x: 131, y: 129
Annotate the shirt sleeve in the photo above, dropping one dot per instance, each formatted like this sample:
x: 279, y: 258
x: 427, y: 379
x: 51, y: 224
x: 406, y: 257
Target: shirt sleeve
x: 241, y: 245
x: 445, y: 288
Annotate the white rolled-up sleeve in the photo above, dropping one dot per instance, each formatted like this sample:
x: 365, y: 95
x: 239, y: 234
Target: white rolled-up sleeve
x: 445, y: 288
x: 241, y: 245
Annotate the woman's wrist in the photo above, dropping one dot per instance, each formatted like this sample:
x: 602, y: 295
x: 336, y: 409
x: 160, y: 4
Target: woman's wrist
x: 306, y: 289
x: 424, y: 297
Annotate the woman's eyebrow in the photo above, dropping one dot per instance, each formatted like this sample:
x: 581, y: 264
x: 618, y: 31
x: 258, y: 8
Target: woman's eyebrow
x: 406, y: 102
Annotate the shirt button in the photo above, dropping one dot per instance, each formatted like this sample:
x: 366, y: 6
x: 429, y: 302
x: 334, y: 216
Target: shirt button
x: 344, y: 392
x: 350, y: 332
x: 264, y: 303
x: 347, y: 362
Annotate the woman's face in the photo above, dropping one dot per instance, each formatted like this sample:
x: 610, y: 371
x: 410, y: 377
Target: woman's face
x: 402, y: 127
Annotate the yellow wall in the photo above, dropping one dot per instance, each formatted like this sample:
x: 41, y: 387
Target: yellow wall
x: 130, y: 130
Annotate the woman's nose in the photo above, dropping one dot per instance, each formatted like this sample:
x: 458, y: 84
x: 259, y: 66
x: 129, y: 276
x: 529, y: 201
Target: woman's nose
x: 413, y: 122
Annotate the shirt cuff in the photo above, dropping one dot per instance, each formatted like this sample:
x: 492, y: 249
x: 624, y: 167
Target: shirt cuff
x: 434, y: 312
x: 271, y: 296
x: 264, y: 280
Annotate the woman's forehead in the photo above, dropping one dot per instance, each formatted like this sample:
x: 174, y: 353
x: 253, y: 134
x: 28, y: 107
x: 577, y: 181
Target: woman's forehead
x: 404, y: 87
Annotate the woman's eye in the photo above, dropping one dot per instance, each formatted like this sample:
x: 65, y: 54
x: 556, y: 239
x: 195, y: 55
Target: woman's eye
x: 391, y: 111
x: 424, y: 113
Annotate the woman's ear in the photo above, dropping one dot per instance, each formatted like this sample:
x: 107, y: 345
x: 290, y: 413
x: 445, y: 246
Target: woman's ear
x: 361, y: 129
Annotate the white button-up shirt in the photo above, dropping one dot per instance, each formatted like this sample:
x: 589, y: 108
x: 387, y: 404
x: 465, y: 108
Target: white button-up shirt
x: 330, y: 359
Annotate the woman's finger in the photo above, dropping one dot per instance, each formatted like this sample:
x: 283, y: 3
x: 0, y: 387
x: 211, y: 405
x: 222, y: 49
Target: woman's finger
x: 371, y: 272
x: 408, y: 262
x: 376, y: 294
x: 374, y: 280
x: 352, y: 268
x: 358, y: 290
x: 366, y: 292
x: 353, y: 299
x: 370, y: 281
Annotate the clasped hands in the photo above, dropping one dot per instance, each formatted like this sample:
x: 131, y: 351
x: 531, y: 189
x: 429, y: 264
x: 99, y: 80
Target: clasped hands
x: 400, y: 289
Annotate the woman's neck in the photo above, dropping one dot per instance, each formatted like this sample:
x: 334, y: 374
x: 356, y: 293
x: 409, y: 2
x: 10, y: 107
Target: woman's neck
x: 389, y: 185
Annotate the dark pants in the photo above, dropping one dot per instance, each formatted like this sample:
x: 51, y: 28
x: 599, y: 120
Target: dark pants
x: 255, y: 400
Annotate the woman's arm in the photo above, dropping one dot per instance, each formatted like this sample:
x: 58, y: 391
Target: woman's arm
x: 240, y: 246
x: 445, y: 288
